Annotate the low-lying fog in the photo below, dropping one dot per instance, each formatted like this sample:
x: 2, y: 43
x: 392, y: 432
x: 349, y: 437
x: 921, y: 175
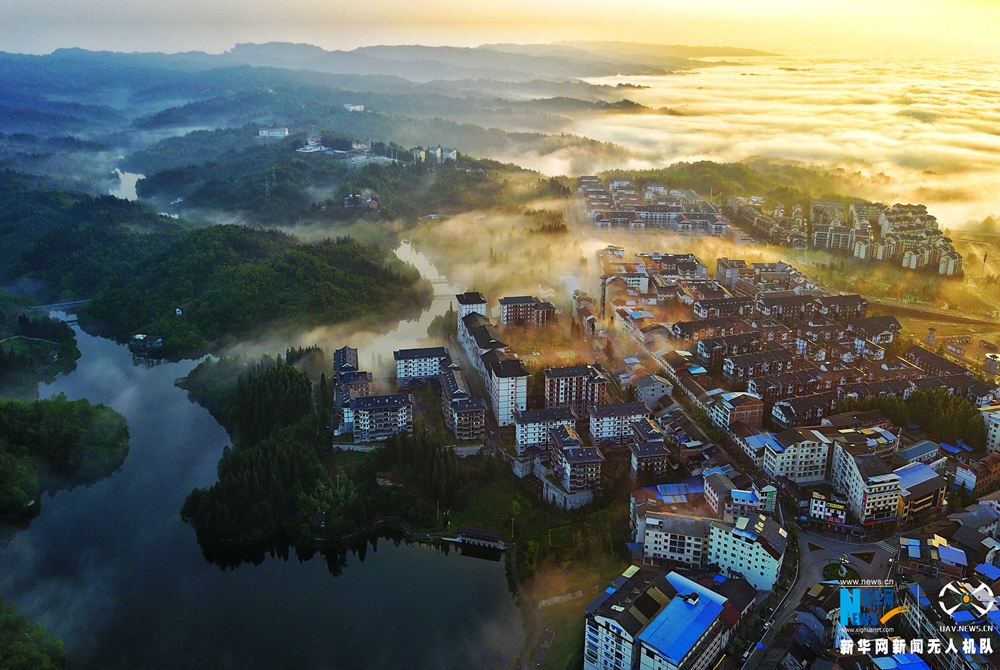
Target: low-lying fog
x: 933, y: 126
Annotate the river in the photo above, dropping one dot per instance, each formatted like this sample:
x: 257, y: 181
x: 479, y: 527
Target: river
x: 113, y: 571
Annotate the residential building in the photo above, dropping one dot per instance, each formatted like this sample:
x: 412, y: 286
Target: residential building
x: 732, y: 407
x: 613, y: 422
x: 799, y: 455
x: 753, y: 547
x: 830, y: 510
x: 618, y: 615
x: 980, y: 477
x: 651, y: 461
x: 924, y: 451
x: 418, y: 364
x: 803, y: 411
x: 991, y: 418
x: 691, y: 632
x: 470, y: 302
x: 579, y: 387
x: 508, y: 385
x: 376, y: 417
x: 718, y: 490
x: 532, y: 427
x: 353, y: 384
x: 871, y: 489
x: 345, y: 359
x: 742, y: 368
x: 525, y: 310
x: 672, y: 539
x: 576, y: 469
x: 651, y: 389
x: 920, y: 489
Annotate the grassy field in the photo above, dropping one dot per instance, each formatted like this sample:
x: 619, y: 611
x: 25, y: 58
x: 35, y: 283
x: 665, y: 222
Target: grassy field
x: 580, y: 581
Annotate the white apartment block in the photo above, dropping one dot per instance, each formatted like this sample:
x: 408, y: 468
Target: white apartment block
x: 418, y: 364
x: 508, y: 382
x: 871, y: 489
x: 991, y: 417
x: 798, y: 454
x: 675, y: 537
x: 470, y: 302
x: 614, y: 422
x: 531, y: 427
x: 753, y: 547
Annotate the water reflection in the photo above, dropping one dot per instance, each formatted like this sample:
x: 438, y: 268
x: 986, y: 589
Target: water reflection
x: 113, y: 571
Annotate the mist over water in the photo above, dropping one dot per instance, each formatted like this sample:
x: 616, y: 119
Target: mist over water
x: 931, y: 126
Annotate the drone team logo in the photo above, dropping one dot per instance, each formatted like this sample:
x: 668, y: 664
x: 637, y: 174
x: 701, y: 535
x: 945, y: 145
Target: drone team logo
x: 963, y: 596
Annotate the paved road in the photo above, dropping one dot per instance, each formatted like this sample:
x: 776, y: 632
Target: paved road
x: 810, y: 573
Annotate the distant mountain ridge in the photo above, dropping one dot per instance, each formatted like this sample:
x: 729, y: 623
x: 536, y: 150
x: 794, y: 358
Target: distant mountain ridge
x: 498, y: 62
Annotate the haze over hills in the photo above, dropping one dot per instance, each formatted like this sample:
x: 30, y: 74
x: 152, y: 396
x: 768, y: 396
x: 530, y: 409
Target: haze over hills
x: 501, y: 62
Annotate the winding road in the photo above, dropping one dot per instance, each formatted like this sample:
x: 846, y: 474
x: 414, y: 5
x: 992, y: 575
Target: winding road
x: 810, y: 573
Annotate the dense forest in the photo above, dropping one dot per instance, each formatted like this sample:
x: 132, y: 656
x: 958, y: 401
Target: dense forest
x: 47, y: 445
x: 27, y: 647
x: 272, y: 183
x: 140, y: 268
x: 942, y: 416
x: 283, y: 486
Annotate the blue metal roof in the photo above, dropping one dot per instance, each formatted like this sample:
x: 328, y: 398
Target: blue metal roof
x: 679, y: 626
x: 952, y: 555
x: 917, y: 450
x: 989, y: 571
x: 900, y: 662
x: 914, y: 473
x: 950, y: 449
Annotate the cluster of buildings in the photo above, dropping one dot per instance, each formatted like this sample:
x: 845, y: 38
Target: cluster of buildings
x: 371, y: 418
x: 902, y: 234
x: 621, y: 206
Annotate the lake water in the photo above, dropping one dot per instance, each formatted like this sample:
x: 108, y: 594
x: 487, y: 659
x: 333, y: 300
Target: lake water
x: 113, y: 571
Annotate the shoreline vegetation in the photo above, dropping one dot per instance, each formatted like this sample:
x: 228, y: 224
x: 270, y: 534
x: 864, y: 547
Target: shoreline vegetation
x: 144, y: 273
x: 52, y: 445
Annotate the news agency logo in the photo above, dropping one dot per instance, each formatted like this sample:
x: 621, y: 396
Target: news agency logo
x: 863, y: 607
x: 975, y: 599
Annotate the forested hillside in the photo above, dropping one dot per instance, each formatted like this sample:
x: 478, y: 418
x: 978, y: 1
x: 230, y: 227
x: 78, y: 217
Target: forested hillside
x: 47, y: 445
x: 140, y: 268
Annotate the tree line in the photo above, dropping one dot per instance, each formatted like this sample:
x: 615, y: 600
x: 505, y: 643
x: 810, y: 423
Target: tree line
x: 942, y: 416
x: 47, y: 445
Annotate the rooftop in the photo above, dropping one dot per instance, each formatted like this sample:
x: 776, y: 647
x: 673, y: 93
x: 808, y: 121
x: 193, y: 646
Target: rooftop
x: 618, y: 409
x: 544, y: 415
x: 413, y: 354
x: 682, y: 623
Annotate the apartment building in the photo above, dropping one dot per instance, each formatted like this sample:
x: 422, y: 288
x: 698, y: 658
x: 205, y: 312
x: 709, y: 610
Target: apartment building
x: 376, y: 417
x: 671, y: 539
x: 576, y: 469
x: 578, y: 388
x: 525, y: 310
x: 799, y: 455
x: 470, y: 302
x: 753, y: 548
x: 737, y: 407
x: 532, y: 427
x: 979, y: 477
x: 414, y: 365
x: 871, y: 489
x: 508, y: 385
x: 828, y: 510
x: 613, y: 422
